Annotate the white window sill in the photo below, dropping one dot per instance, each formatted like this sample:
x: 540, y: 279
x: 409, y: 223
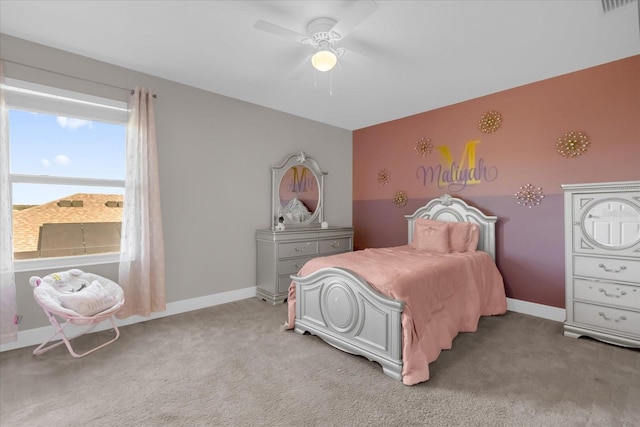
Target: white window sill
x: 64, y: 262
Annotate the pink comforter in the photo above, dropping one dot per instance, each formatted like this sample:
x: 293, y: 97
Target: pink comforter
x: 443, y: 295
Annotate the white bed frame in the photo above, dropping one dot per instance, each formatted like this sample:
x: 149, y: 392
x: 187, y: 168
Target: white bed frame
x: 340, y: 307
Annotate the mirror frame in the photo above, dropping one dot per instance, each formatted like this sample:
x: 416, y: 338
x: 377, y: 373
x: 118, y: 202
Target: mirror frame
x: 278, y: 172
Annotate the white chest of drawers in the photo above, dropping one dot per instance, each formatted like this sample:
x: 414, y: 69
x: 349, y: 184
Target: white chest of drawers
x: 602, y: 261
x: 282, y: 253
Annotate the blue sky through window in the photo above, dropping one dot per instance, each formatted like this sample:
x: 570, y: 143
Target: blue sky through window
x: 45, y: 144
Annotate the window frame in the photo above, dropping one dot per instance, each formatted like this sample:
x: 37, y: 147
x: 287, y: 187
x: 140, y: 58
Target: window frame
x: 26, y: 98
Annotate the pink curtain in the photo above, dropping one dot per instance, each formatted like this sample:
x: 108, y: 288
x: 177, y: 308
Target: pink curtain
x: 8, y: 306
x: 141, y: 272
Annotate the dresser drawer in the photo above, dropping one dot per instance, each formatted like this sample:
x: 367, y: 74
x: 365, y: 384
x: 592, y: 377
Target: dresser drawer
x: 291, y: 266
x: 334, y: 245
x: 607, y: 317
x: 296, y: 249
x: 283, y: 283
x: 626, y: 270
x: 617, y: 294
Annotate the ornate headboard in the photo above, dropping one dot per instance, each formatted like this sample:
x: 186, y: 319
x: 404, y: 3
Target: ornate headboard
x: 450, y: 209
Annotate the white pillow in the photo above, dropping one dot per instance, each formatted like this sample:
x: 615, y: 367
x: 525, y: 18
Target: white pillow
x: 89, y: 301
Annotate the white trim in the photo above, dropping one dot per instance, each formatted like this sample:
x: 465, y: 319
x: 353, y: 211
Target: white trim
x: 102, y: 103
x: 38, y: 335
x: 20, y: 178
x: 537, y: 310
x: 61, y: 263
x: 29, y: 96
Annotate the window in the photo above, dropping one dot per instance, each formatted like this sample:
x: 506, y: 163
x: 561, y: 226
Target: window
x: 67, y: 172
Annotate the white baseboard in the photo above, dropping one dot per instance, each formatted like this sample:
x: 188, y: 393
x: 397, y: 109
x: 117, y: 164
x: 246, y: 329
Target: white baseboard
x: 38, y: 335
x: 537, y: 310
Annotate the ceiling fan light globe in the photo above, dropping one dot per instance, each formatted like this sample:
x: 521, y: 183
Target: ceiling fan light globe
x: 324, y: 60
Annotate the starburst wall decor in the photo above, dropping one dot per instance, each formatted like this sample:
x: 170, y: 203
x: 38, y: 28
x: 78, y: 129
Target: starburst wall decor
x: 384, y: 176
x: 529, y: 196
x: 400, y: 198
x: 572, y: 144
x: 490, y: 122
x: 424, y: 147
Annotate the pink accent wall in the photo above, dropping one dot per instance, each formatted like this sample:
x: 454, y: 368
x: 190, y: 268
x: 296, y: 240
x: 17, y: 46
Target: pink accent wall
x: 603, y: 102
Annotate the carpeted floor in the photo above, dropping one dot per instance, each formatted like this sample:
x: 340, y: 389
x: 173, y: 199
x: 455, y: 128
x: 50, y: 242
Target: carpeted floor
x: 231, y: 365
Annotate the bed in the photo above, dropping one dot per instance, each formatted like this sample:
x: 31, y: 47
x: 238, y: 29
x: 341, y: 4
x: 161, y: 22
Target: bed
x: 402, y: 306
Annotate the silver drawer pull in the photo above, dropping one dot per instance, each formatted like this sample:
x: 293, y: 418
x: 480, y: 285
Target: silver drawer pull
x: 299, y: 248
x: 335, y: 244
x: 608, y: 319
x: 622, y: 293
x: 611, y: 270
x: 298, y: 266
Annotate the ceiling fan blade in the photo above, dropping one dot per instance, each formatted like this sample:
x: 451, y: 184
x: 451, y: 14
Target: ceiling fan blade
x: 354, y: 57
x: 355, y: 16
x: 300, y: 68
x: 279, y: 31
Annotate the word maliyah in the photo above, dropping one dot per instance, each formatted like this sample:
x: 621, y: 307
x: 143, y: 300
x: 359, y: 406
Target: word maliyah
x: 453, y: 175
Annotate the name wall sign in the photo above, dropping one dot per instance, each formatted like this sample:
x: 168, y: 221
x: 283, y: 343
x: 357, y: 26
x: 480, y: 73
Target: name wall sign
x: 455, y: 176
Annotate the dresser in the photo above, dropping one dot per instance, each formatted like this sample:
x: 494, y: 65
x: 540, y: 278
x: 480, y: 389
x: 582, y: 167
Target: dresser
x: 282, y: 253
x: 602, y: 261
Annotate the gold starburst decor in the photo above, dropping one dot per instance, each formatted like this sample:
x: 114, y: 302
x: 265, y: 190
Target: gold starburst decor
x: 529, y: 196
x: 424, y: 146
x: 572, y: 144
x: 400, y: 198
x: 384, y: 176
x: 490, y: 122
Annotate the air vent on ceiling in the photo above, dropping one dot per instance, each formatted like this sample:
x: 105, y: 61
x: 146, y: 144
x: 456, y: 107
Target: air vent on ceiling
x: 609, y: 5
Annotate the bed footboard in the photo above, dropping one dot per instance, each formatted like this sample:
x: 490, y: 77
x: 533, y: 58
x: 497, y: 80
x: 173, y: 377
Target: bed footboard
x: 340, y: 307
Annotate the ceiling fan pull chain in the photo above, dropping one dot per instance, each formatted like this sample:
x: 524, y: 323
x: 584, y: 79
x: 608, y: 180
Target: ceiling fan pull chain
x: 330, y: 83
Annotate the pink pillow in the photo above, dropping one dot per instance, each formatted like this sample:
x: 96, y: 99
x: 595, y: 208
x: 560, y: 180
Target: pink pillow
x: 431, y: 236
x: 475, y: 237
x: 463, y: 236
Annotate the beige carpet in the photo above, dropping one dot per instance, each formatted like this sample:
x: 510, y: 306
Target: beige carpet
x: 231, y: 365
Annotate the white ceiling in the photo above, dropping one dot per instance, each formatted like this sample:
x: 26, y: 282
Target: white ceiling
x: 421, y: 55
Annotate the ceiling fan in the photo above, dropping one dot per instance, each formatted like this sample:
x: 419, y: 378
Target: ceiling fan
x: 323, y: 35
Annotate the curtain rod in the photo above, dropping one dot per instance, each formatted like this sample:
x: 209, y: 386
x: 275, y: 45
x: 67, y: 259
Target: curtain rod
x: 73, y: 77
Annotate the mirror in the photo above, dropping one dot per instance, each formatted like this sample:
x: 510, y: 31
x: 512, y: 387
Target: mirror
x: 612, y: 223
x: 297, y: 192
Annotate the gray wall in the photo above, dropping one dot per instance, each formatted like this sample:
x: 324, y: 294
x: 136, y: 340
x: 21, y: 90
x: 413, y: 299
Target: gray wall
x: 215, y: 159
